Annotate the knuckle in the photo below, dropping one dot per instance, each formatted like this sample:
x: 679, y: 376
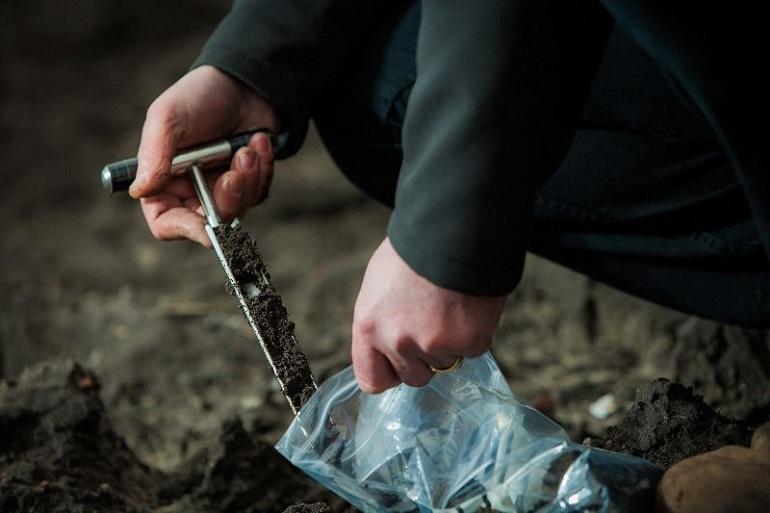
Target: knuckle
x: 158, y: 110
x: 364, y: 327
x: 156, y: 163
x: 434, y: 343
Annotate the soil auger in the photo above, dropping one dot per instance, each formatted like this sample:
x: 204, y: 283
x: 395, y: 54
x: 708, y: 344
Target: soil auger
x: 247, y: 276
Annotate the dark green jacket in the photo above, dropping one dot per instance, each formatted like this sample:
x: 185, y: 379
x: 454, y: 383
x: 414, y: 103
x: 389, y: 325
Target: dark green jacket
x: 499, y: 90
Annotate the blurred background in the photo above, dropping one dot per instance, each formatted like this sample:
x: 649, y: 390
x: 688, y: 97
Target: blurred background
x: 81, y: 277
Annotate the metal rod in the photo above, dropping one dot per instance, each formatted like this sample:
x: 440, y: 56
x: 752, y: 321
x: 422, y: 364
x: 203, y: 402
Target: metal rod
x: 204, y: 195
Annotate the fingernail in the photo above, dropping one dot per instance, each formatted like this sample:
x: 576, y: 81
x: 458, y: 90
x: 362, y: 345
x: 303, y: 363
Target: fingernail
x: 263, y: 144
x: 246, y: 159
x: 233, y: 188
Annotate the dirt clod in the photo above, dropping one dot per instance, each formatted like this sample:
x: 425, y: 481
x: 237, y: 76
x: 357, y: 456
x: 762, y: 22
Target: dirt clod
x: 668, y: 423
x: 250, y: 476
x: 316, y: 507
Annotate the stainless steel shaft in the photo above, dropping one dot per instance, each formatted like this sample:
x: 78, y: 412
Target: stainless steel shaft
x: 205, y: 197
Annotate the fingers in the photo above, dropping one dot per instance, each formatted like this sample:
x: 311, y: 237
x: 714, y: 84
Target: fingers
x: 381, y: 363
x: 170, y: 219
x: 248, y: 182
x: 229, y: 195
x: 255, y: 163
x: 264, y: 148
x: 403, y: 324
x: 202, y: 105
x: 410, y: 369
x: 175, y: 212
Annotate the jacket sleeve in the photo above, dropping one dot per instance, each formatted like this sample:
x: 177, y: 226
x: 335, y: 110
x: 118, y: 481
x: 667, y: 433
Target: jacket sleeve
x: 289, y: 50
x: 499, y: 90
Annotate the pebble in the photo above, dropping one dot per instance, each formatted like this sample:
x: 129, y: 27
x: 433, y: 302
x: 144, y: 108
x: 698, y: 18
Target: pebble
x: 250, y: 402
x: 604, y: 407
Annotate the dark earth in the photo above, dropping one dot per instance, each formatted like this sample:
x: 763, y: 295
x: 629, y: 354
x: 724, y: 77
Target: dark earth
x: 59, y: 453
x: 668, y: 423
x: 185, y: 409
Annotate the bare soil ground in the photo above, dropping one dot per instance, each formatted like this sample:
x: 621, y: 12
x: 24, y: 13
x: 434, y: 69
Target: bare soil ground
x: 82, y: 279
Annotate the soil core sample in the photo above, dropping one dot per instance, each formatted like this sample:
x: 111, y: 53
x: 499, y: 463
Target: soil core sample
x: 266, y: 309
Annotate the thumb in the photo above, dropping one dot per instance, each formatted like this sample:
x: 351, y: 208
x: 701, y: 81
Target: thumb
x: 160, y: 138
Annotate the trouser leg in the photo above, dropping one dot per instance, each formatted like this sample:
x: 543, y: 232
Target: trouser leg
x: 647, y: 201
x: 360, y: 120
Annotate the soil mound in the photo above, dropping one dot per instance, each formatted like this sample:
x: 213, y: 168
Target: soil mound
x: 250, y: 476
x: 59, y: 453
x: 669, y: 423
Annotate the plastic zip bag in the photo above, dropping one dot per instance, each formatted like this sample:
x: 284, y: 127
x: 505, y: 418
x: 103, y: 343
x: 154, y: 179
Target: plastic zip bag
x: 463, y: 443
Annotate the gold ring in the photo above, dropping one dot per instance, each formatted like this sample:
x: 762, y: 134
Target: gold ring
x: 453, y: 367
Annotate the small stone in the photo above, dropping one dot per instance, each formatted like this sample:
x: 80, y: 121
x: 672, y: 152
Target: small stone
x: 604, y: 407
x: 250, y: 402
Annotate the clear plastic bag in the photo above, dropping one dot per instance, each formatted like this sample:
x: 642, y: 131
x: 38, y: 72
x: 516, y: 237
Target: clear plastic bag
x: 463, y: 443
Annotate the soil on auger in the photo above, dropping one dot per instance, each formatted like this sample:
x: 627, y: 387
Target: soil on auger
x: 291, y: 365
